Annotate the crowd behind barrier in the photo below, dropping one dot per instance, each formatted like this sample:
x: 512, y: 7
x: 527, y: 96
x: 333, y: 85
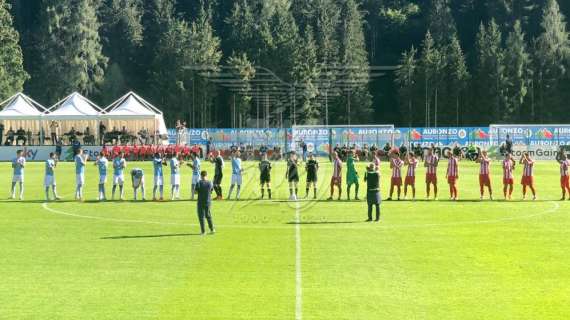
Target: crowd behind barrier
x: 541, y: 141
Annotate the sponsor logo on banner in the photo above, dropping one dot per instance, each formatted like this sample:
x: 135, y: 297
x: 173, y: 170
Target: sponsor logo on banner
x: 544, y: 133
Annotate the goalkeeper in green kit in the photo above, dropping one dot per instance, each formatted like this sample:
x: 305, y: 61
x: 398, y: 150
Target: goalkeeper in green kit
x: 351, y: 176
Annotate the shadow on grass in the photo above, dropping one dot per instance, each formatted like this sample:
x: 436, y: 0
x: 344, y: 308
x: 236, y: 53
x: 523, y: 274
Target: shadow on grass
x: 151, y: 236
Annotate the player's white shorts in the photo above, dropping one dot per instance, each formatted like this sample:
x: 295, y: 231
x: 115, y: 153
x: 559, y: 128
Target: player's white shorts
x: 80, y: 179
x: 158, y: 180
x: 102, y: 179
x: 137, y: 182
x: 195, y: 179
x: 49, y: 181
x: 236, y: 179
x: 19, y: 178
x: 119, y: 179
x: 175, y: 179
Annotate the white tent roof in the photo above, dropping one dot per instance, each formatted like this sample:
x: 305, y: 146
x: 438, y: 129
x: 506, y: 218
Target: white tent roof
x: 74, y: 107
x: 21, y: 107
x: 132, y: 107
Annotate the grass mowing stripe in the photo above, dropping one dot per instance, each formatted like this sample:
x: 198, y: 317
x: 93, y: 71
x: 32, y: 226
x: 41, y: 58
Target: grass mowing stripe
x: 298, y: 271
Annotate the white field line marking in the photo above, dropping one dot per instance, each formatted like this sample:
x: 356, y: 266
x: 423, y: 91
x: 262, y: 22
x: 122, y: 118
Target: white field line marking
x: 298, y: 272
x: 362, y: 226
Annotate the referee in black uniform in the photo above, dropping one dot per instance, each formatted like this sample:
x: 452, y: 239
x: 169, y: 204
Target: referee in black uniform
x: 218, y: 173
x: 372, y: 179
x: 265, y: 176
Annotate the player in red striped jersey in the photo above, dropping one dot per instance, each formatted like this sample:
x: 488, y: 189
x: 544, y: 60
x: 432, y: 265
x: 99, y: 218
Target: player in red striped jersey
x: 528, y: 175
x: 336, y: 179
x: 412, y: 164
x: 431, y: 162
x: 508, y: 178
x: 396, y: 165
x: 484, y: 174
x: 377, y: 160
x: 452, y: 174
x: 564, y: 175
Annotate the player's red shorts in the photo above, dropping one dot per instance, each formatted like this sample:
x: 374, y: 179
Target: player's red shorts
x: 508, y: 181
x: 527, y: 181
x: 410, y: 181
x: 565, y: 182
x: 431, y: 178
x: 484, y: 180
x: 336, y: 181
x: 396, y: 181
x: 452, y: 179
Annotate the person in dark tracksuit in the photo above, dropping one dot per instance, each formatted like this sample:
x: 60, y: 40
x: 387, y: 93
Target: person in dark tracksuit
x: 372, y: 179
x: 204, y: 190
x: 218, y: 161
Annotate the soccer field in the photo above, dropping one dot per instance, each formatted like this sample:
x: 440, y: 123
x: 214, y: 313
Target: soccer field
x: 285, y: 260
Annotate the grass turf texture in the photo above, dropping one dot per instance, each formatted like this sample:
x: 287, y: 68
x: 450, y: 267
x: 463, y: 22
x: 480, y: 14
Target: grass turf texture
x: 425, y: 260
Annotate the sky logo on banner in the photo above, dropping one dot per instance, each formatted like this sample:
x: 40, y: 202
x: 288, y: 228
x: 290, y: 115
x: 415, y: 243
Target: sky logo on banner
x: 415, y: 135
x: 479, y: 134
x: 544, y: 134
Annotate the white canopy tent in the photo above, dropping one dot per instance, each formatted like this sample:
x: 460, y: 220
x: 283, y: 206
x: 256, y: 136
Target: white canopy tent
x: 135, y: 114
x: 21, y: 111
x: 75, y: 111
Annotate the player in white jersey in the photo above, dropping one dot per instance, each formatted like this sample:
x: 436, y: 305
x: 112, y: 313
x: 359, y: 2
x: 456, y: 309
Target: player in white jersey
x: 484, y: 174
x: 174, y: 177
x: 528, y: 175
x: 49, y: 179
x: 236, y: 175
x: 119, y: 166
x: 137, y: 178
x: 336, y: 179
x: 396, y: 165
x: 412, y: 164
x: 195, y: 165
x: 157, y: 163
x: 564, y: 161
x: 508, y: 177
x: 102, y: 162
x: 18, y: 165
x: 80, y: 162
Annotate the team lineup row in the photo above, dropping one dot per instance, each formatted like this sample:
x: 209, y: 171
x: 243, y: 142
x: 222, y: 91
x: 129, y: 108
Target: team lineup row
x: 397, y: 162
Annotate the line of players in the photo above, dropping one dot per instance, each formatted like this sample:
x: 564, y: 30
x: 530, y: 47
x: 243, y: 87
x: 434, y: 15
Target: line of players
x: 431, y: 163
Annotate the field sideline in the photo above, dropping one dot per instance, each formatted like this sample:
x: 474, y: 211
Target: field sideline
x: 284, y: 260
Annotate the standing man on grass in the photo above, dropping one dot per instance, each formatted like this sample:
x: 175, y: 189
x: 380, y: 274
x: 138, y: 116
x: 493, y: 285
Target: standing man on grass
x: 119, y: 165
x: 195, y: 165
x: 80, y: 162
x: 351, y: 176
x: 101, y: 164
x: 49, y: 180
x: 158, y: 162
x: 265, y: 176
x: 564, y: 175
x: 218, y: 173
x: 204, y: 189
x: 372, y: 179
x: 236, y: 175
x: 431, y: 162
x: 484, y: 174
x: 18, y: 165
x: 528, y: 175
x: 336, y: 179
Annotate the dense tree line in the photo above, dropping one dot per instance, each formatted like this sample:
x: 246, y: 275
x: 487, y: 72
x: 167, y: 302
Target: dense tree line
x: 465, y: 62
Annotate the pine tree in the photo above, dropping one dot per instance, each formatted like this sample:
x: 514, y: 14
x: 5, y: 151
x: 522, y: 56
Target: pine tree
x: 552, y: 54
x: 441, y: 22
x: 306, y: 73
x: 431, y: 62
x: 355, y: 105
x: 457, y: 74
x: 12, y: 73
x: 405, y: 79
x: 517, y: 62
x: 71, y: 51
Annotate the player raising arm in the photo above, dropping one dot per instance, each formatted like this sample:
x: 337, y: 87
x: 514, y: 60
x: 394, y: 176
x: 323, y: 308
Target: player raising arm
x: 396, y: 165
x: 195, y: 165
x: 336, y: 179
x: 564, y: 161
x: 49, y: 180
x: 102, y: 162
x: 18, y: 165
x: 484, y: 174
x: 312, y: 168
x: 508, y: 178
x: 80, y: 162
x: 265, y: 176
x: 412, y: 164
x: 528, y: 175
x: 174, y: 177
x: 431, y: 162
x: 236, y: 174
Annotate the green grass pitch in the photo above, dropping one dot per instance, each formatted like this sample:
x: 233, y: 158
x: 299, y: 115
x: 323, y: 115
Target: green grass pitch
x: 425, y: 260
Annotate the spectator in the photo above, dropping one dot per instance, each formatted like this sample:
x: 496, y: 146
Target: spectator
x: 54, y: 131
x: 303, y: 146
x: 10, y: 135
x: 21, y: 136
x: 509, y: 144
x: 1, y: 133
x: 29, y: 135
x: 102, y: 131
